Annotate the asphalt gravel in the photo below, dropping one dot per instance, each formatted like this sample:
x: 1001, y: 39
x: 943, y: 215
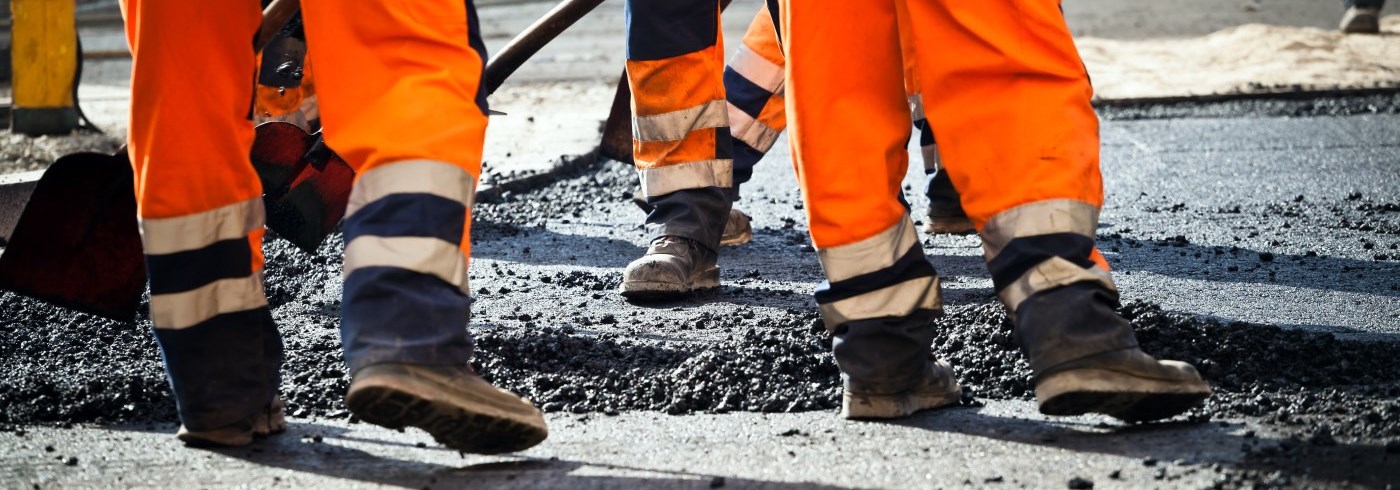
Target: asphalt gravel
x: 549, y: 325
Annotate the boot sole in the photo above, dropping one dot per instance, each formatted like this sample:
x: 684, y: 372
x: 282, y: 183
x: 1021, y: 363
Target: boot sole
x: 870, y: 407
x: 1119, y: 395
x: 654, y: 290
x: 471, y: 425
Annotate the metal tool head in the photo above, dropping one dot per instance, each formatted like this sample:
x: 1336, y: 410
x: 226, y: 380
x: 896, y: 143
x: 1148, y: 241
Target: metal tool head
x: 77, y: 244
x: 313, y: 204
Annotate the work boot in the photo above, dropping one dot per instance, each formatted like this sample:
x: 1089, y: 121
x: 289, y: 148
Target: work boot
x: 950, y: 221
x: 1085, y: 359
x: 672, y: 267
x: 1361, y: 20
x: 937, y: 389
x: 268, y: 421
x: 945, y: 211
x: 886, y: 370
x: 1128, y: 385
x: 460, y: 410
x: 737, y: 230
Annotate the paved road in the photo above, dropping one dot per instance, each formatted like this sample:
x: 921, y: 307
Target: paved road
x: 945, y: 449
x: 1178, y: 188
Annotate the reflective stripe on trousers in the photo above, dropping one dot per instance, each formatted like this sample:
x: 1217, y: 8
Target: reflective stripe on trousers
x: 885, y: 275
x: 680, y: 122
x: 406, y: 289
x: 1041, y: 246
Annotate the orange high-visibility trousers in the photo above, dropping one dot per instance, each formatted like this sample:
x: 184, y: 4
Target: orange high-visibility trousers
x: 681, y: 142
x: 1014, y: 126
x: 397, y: 84
x: 753, y: 83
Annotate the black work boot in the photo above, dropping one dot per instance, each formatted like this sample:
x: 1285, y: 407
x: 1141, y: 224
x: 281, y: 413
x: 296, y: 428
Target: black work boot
x: 1085, y: 359
x: 886, y: 369
x: 672, y: 267
x: 459, y: 408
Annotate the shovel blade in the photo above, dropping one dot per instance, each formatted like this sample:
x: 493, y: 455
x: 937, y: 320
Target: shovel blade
x: 77, y: 243
x: 617, y: 130
x: 277, y: 155
x: 313, y: 205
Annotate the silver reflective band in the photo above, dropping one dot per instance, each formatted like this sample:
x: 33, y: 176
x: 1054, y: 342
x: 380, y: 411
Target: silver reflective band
x: 1052, y: 273
x: 160, y: 236
x: 757, y: 69
x: 186, y: 309
x: 673, y: 126
x: 899, y: 300
x: 753, y: 133
x: 659, y: 181
x: 871, y: 254
x: 1039, y: 218
x: 412, y: 177
x: 424, y: 255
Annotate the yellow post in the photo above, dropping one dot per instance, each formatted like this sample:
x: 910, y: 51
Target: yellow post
x: 44, y: 57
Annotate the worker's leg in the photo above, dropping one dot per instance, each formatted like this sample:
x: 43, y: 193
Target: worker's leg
x: 400, y: 99
x: 1020, y: 141
x: 944, y: 213
x: 200, y: 206
x: 753, y: 85
x: 849, y: 133
x: 682, y: 147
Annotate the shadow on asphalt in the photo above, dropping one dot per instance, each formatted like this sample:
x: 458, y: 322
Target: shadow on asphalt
x: 297, y: 451
x: 1177, y: 443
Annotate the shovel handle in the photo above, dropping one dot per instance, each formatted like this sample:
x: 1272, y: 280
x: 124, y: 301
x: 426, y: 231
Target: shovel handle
x: 532, y: 39
x: 275, y: 16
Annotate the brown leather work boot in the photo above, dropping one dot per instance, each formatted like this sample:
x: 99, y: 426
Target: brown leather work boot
x: 460, y: 410
x: 937, y: 389
x: 737, y: 230
x: 1127, y: 384
x: 672, y: 268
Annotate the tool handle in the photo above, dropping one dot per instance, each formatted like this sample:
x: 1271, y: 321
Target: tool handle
x: 530, y: 41
x: 275, y: 16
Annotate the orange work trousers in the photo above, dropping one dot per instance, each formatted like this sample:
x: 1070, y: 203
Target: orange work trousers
x: 1015, y: 130
x: 680, y: 129
x: 397, y: 83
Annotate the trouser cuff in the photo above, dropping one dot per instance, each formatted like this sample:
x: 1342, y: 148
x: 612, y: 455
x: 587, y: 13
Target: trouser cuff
x: 884, y: 355
x: 696, y: 214
x: 1071, y: 322
x: 222, y: 370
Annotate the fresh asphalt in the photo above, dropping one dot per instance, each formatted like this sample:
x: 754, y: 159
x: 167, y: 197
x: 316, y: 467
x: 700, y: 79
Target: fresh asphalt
x: 1240, y: 223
